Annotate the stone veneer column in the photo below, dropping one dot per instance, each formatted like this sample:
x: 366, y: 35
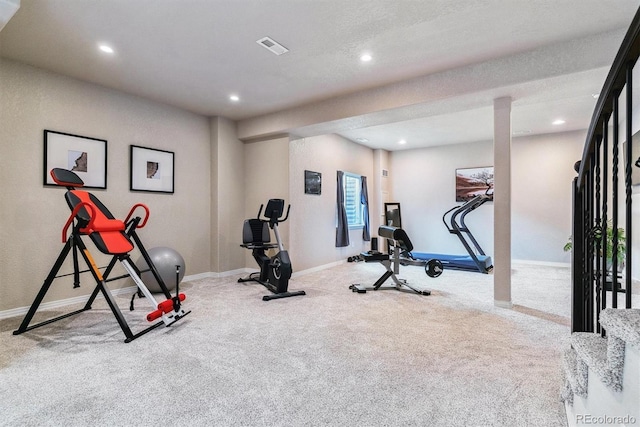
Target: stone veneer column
x: 502, y: 202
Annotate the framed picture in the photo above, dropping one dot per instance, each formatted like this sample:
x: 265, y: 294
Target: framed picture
x: 85, y: 156
x: 392, y: 215
x: 471, y: 182
x: 312, y: 182
x: 151, y: 170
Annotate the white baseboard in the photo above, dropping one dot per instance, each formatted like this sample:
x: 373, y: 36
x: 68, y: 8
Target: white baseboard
x: 318, y: 268
x: 198, y: 276
x: 234, y: 272
x: 51, y: 305
x: 541, y: 263
x: 216, y: 275
x: 503, y: 304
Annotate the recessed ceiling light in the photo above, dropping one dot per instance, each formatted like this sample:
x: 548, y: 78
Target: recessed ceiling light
x: 365, y: 57
x: 402, y: 141
x: 595, y: 95
x: 234, y: 98
x: 362, y: 140
x: 559, y: 122
x: 105, y: 48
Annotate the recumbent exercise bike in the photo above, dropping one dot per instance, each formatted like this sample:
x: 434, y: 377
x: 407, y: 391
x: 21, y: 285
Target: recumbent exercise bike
x: 275, y: 271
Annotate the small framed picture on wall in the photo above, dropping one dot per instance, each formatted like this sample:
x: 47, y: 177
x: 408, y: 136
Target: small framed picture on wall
x: 312, y: 182
x: 151, y: 170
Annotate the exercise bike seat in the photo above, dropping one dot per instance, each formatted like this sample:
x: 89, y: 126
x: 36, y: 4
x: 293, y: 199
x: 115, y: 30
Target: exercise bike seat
x: 96, y: 221
x: 259, y: 245
x: 256, y: 235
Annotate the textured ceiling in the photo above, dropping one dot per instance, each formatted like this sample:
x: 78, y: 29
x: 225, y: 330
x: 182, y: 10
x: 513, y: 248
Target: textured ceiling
x: 194, y: 53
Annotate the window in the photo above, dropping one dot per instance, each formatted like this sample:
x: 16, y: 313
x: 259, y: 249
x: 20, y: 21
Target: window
x: 352, y: 185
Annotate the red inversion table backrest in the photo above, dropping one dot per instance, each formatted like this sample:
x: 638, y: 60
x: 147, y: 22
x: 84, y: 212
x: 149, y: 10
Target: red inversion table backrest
x: 106, y: 232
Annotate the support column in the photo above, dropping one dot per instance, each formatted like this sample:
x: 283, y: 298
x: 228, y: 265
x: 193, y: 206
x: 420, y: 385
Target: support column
x: 502, y: 202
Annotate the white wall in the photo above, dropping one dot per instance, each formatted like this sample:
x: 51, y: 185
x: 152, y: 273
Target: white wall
x: 423, y: 181
x: 542, y: 173
x: 32, y: 216
x: 313, y: 221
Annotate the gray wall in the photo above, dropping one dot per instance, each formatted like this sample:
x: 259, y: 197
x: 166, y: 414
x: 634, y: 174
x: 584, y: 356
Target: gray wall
x: 313, y: 223
x: 220, y: 181
x: 227, y: 196
x: 32, y: 216
x: 266, y: 177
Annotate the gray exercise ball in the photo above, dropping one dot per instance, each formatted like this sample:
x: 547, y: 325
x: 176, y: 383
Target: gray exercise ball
x: 165, y: 260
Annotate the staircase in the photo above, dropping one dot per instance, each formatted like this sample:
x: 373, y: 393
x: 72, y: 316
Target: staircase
x: 602, y: 375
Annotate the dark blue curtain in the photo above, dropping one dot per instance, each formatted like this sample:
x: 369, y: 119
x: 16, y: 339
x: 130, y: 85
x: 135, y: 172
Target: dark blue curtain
x: 364, y: 200
x: 342, y: 231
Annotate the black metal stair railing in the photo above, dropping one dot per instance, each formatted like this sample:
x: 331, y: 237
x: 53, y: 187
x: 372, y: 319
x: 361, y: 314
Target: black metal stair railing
x: 597, y: 204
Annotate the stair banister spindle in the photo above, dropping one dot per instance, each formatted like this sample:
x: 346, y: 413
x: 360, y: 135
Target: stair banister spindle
x: 578, y: 321
x: 614, y: 202
x: 605, y: 205
x: 628, y: 165
x: 593, y: 238
x: 598, y: 241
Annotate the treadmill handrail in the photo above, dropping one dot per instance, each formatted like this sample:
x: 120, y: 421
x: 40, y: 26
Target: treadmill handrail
x: 482, y: 199
x: 444, y: 220
x: 459, y: 228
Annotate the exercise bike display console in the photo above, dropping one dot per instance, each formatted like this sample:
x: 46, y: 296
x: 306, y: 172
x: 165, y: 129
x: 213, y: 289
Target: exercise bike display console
x: 275, y: 271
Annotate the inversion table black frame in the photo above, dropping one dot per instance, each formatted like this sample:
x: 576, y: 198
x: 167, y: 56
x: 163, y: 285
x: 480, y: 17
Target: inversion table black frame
x: 113, y: 237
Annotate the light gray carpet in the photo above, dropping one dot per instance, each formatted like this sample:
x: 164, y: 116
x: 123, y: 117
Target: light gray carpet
x: 330, y: 358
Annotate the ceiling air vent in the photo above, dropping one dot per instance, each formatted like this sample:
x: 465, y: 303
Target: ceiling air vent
x: 272, y: 45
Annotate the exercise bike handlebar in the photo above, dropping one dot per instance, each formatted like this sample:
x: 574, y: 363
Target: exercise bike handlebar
x: 287, y: 214
x: 274, y: 220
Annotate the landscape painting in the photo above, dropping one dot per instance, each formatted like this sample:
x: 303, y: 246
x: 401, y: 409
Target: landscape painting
x: 471, y: 182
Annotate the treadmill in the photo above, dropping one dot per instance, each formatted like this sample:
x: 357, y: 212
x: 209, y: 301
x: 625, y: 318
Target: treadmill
x: 476, y: 260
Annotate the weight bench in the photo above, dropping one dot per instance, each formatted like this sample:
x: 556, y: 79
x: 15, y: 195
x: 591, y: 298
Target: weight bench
x: 89, y: 217
x: 399, y: 243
